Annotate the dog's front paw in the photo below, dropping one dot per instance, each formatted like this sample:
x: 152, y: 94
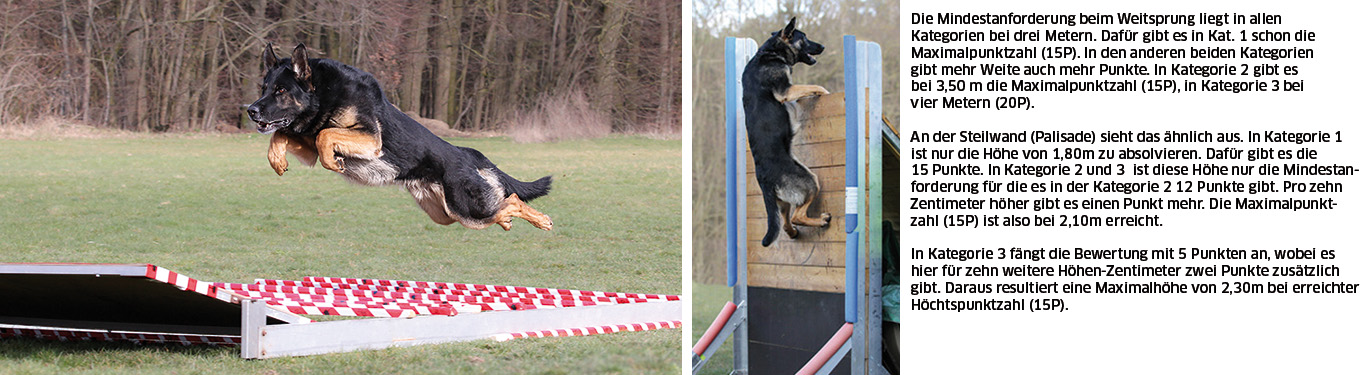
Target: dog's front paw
x: 336, y: 164
x: 819, y: 90
x: 278, y: 163
x: 280, y: 169
x: 543, y: 224
x: 826, y: 220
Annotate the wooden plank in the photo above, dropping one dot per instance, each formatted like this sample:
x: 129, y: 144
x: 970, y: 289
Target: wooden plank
x: 798, y: 253
x: 832, y: 202
x: 813, y: 278
x: 755, y: 230
x: 821, y: 129
x: 818, y: 129
x: 813, y: 155
x: 830, y: 178
x: 829, y: 105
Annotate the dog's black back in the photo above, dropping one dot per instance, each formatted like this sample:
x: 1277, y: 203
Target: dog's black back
x: 769, y: 125
x: 331, y: 94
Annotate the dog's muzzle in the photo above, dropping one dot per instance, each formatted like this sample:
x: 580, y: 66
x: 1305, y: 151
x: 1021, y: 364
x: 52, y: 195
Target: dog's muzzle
x: 264, y: 126
x: 810, y: 49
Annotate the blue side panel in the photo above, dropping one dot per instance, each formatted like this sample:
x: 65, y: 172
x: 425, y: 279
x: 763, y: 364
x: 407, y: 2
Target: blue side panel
x: 733, y: 95
x: 852, y: 189
x: 738, y: 52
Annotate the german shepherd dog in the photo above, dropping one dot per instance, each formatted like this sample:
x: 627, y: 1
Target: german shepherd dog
x: 323, y: 110
x: 768, y: 95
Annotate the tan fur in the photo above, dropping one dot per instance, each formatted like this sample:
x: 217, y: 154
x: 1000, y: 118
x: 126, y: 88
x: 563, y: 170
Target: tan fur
x: 432, y: 200
x: 798, y: 215
x: 352, y: 143
x: 346, y: 118
x: 799, y: 91
x: 515, y: 207
x: 303, y: 149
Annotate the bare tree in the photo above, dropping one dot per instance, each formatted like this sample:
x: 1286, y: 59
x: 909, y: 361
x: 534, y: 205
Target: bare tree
x: 149, y: 65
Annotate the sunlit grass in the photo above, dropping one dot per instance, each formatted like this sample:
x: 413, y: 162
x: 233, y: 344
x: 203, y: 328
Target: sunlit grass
x: 211, y: 208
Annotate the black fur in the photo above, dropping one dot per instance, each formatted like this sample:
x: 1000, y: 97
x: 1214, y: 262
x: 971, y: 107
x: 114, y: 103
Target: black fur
x: 302, y: 97
x: 768, y: 124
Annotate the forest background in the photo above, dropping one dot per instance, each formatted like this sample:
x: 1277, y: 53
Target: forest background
x: 589, y: 66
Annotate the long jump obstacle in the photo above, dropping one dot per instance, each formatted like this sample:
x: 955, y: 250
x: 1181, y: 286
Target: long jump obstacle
x: 148, y: 304
x: 818, y: 296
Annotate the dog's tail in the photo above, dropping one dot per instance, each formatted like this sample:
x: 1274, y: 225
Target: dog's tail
x: 526, y: 191
x: 773, y: 219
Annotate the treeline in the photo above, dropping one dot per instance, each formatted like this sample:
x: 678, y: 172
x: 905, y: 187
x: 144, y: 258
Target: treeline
x: 824, y: 21
x: 191, y: 64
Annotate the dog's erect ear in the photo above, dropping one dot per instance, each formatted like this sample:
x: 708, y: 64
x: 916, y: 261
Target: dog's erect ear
x: 268, y: 58
x: 300, y: 60
x: 788, y: 30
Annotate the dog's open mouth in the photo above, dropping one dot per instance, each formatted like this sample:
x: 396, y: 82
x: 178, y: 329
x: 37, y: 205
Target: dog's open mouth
x: 270, y: 126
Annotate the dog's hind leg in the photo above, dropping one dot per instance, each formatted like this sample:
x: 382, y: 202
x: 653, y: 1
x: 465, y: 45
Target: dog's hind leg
x: 281, y: 143
x: 799, y: 215
x: 772, y: 216
x: 798, y: 91
x: 432, y: 199
x: 786, y: 210
x: 515, y: 207
x: 809, y: 188
x: 349, y: 142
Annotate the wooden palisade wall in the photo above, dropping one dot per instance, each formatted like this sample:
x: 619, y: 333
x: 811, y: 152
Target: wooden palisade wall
x: 816, y: 260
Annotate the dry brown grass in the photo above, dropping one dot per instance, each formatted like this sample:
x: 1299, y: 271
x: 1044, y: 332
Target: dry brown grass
x: 657, y: 131
x: 52, y: 127
x: 60, y: 128
x: 564, y: 115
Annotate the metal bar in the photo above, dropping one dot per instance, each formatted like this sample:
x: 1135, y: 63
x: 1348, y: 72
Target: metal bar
x: 728, y: 330
x: 852, y: 178
x: 831, y: 352
x: 872, y: 61
x: 131, y: 270
x: 835, y: 360
x: 253, y: 328
x: 746, y: 48
x: 715, y: 328
x: 856, y: 288
x: 361, y: 334
x: 733, y: 84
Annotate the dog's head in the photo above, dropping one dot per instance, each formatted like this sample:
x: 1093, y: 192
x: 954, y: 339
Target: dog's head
x: 287, y: 91
x: 797, y: 41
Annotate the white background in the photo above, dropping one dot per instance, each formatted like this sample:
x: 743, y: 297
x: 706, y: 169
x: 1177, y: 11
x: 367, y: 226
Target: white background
x: 1192, y: 333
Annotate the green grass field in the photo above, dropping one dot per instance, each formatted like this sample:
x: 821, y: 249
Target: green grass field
x: 707, y: 302
x: 211, y: 208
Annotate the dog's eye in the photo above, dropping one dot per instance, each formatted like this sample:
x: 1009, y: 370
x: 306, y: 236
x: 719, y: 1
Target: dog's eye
x: 280, y: 90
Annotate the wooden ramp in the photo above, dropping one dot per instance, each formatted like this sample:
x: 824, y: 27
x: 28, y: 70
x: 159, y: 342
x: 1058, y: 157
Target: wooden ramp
x: 146, y: 303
